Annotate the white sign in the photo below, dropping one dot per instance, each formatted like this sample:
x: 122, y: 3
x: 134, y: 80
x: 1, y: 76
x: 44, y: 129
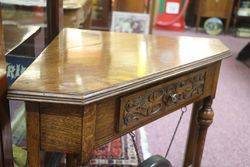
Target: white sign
x: 172, y: 7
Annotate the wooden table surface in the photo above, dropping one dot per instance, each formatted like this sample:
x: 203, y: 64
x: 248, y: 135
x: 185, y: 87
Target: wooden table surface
x: 88, y: 65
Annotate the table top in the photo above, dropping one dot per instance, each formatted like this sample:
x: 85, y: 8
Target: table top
x: 14, y: 35
x: 82, y: 66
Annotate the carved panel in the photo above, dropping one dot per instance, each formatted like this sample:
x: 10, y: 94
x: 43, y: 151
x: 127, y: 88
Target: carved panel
x: 143, y: 105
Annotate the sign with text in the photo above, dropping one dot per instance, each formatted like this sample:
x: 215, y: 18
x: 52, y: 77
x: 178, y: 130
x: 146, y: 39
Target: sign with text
x: 16, y: 66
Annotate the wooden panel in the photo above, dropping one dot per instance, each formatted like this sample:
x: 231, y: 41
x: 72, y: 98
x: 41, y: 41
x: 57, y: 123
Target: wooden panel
x: 88, y: 132
x: 137, y: 6
x: 105, y: 111
x: 81, y: 67
x: 147, y: 104
x: 216, y: 8
x: 108, y: 109
x: 61, y: 128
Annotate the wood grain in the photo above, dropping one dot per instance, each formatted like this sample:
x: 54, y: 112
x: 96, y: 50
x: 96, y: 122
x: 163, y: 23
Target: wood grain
x: 216, y: 70
x: 192, y: 135
x: 61, y: 128
x: 33, y: 134
x: 88, y: 132
x: 87, y: 66
x: 141, y: 106
x: 105, y: 110
x: 77, y: 86
x: 77, y: 129
x: 130, y: 6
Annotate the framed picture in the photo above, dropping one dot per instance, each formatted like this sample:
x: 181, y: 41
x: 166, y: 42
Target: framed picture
x: 130, y: 22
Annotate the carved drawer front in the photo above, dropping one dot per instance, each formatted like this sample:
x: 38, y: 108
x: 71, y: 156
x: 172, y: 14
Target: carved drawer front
x: 145, y: 105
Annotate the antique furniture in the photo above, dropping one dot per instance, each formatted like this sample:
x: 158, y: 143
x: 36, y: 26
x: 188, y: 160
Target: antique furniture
x: 241, y: 22
x: 101, y: 14
x: 214, y: 8
x: 22, y: 34
x: 5, y: 130
x: 77, y: 14
x: 90, y: 87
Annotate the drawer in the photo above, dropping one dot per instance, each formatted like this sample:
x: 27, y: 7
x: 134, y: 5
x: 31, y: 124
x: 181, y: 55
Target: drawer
x: 159, y: 100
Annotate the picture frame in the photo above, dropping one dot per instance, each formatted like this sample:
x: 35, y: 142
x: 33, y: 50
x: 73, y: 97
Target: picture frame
x: 130, y: 22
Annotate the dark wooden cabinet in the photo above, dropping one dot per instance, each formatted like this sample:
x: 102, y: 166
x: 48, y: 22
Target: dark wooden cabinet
x: 214, y: 8
x: 137, y: 6
x: 101, y: 14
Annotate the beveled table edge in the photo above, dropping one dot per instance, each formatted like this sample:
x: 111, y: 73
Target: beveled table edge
x: 79, y: 99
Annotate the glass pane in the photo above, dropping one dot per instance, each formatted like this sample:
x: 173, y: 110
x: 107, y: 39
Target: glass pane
x: 24, y: 23
x: 24, y: 35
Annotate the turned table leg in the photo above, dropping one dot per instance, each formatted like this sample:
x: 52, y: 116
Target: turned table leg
x: 33, y: 134
x: 192, y: 136
x: 204, y: 120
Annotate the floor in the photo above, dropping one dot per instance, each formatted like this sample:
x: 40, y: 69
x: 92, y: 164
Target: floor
x: 228, y: 138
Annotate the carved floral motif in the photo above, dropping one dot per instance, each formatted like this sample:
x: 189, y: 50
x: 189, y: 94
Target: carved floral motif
x: 157, y: 99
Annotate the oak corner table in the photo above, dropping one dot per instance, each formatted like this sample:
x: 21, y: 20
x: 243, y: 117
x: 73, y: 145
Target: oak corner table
x: 89, y: 87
